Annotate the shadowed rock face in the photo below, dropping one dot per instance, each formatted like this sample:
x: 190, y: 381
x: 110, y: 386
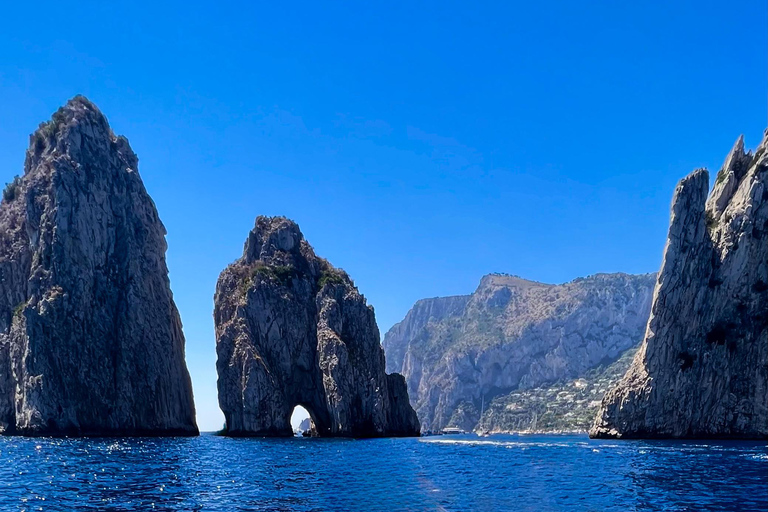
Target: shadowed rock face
x: 90, y: 338
x: 293, y: 330
x: 702, y: 370
x: 459, y: 353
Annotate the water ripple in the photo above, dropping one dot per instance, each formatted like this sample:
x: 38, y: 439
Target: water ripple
x: 449, y: 473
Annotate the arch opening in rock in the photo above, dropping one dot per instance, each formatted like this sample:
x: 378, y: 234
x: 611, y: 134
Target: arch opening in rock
x: 301, y: 420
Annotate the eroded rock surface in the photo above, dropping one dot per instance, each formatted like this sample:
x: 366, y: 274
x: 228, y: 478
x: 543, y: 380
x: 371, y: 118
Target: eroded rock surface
x: 90, y: 338
x: 293, y: 330
x: 459, y: 353
x: 702, y: 370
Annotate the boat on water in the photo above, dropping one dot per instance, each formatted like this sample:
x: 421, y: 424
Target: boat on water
x: 453, y: 431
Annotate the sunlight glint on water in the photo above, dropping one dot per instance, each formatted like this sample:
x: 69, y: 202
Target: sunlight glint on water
x: 451, y: 473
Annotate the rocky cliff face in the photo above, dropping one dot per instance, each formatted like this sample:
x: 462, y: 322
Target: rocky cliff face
x: 426, y: 311
x: 90, y: 339
x: 459, y: 353
x: 702, y: 370
x: 293, y: 330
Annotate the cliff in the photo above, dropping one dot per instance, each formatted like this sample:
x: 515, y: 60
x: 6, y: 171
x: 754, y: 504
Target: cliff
x: 702, y: 370
x: 460, y: 353
x: 293, y: 330
x: 90, y: 338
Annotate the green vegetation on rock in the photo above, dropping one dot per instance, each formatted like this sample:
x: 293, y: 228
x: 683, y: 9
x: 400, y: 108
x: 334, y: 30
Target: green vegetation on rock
x: 330, y: 277
x: 19, y: 308
x: 11, y: 189
x: 282, y: 273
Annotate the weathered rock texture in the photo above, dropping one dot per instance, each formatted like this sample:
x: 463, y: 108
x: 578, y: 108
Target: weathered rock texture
x: 702, y: 370
x: 293, y: 330
x: 459, y: 353
x: 90, y: 339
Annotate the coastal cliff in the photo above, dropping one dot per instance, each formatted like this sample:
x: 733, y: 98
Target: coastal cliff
x: 90, y: 338
x: 293, y: 330
x: 702, y: 370
x: 463, y: 356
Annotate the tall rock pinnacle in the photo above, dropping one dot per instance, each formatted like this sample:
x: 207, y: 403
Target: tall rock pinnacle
x: 90, y: 338
x: 702, y: 370
x: 293, y: 330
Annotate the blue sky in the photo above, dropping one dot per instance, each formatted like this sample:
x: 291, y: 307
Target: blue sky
x: 418, y: 145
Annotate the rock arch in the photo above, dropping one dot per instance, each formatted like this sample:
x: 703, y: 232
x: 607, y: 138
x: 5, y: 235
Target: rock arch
x: 293, y: 330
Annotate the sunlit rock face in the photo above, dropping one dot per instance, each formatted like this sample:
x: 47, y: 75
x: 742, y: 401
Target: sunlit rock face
x: 702, y: 370
x: 90, y: 338
x: 459, y: 353
x: 293, y: 330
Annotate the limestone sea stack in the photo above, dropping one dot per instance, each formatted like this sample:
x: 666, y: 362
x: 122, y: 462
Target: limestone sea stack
x: 293, y: 330
x: 90, y: 338
x: 702, y: 370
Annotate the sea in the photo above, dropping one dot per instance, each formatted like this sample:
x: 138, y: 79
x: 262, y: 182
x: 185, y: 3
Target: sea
x: 440, y: 473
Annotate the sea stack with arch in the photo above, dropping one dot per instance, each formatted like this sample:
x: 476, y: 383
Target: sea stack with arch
x: 293, y: 330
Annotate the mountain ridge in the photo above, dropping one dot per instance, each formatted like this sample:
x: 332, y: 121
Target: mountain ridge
x: 511, y: 333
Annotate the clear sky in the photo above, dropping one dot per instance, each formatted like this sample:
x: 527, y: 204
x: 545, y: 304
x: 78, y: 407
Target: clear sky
x: 418, y: 145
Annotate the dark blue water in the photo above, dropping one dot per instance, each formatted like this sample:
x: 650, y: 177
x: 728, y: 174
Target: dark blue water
x: 457, y: 473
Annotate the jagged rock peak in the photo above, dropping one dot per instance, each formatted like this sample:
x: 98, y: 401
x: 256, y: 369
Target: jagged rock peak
x: 730, y: 175
x: 702, y: 370
x: 77, y: 126
x: 90, y: 338
x: 293, y: 330
x: 278, y: 241
x: 270, y: 235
